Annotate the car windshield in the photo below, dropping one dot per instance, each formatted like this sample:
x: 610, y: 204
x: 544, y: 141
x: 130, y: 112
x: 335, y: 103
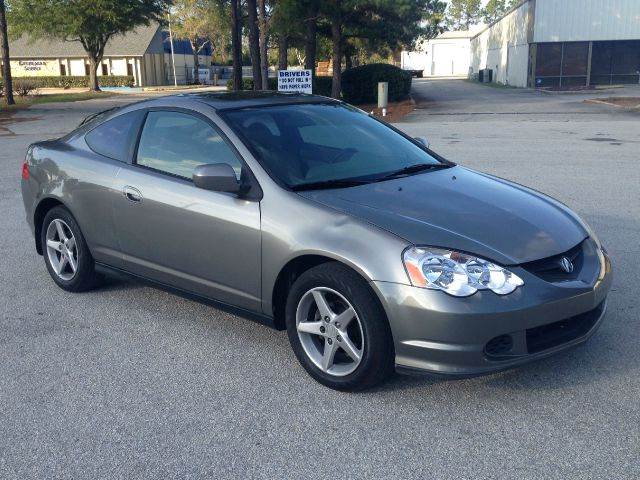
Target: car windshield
x: 310, y: 145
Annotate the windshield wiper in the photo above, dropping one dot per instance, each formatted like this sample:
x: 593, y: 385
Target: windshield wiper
x: 420, y: 167
x: 327, y: 184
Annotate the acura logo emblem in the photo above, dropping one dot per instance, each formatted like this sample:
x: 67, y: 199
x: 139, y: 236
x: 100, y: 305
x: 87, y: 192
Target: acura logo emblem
x: 566, y: 265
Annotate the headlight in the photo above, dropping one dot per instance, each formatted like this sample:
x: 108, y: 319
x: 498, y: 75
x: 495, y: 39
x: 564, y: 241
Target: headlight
x: 456, y: 273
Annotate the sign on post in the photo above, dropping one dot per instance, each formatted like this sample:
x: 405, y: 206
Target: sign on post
x: 299, y: 81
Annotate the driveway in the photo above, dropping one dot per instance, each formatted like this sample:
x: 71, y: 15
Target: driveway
x: 462, y: 97
x: 130, y: 382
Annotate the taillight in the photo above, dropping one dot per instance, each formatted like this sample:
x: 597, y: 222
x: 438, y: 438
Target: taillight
x: 25, y: 171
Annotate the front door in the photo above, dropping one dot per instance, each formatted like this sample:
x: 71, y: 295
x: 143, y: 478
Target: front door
x: 175, y: 233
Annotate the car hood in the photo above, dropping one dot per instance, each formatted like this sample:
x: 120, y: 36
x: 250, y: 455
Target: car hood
x: 464, y: 210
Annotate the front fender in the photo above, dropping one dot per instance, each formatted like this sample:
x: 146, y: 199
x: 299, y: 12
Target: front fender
x: 305, y: 227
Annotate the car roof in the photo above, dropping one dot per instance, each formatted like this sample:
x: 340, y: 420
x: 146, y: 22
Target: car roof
x: 249, y: 99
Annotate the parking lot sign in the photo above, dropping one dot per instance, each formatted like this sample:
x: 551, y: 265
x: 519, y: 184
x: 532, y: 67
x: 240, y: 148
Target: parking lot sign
x: 300, y: 81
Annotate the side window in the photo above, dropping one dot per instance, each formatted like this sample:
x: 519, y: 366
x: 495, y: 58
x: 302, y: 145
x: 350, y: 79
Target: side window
x: 114, y: 138
x: 177, y: 143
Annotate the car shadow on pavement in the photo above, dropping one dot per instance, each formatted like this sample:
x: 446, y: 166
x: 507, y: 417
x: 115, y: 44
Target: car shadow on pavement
x: 116, y: 283
x: 584, y: 364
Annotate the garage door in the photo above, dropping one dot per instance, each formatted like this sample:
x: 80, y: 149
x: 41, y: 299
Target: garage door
x: 444, y: 56
x: 450, y: 59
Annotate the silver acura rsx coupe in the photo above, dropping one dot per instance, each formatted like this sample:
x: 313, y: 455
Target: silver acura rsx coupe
x: 309, y: 215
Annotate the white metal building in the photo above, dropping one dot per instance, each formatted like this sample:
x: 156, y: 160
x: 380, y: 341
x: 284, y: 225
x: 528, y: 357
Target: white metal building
x: 444, y: 56
x: 567, y: 43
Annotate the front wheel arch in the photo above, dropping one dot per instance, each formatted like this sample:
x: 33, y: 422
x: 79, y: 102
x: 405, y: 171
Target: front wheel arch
x: 378, y: 357
x: 296, y: 267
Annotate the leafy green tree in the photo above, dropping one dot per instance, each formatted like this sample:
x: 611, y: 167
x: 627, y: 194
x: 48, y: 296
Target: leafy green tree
x: 201, y: 23
x: 396, y: 24
x: 493, y: 11
x: 295, y: 24
x: 462, y: 14
x: 285, y: 26
x: 381, y: 24
x: 91, y: 22
x: 4, y: 56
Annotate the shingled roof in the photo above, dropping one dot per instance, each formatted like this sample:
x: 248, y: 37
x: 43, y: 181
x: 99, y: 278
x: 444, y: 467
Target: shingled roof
x: 134, y: 43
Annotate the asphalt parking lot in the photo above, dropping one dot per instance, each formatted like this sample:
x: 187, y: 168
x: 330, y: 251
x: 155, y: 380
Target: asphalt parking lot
x: 130, y: 382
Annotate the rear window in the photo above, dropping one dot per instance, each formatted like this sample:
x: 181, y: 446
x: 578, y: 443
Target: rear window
x: 114, y: 138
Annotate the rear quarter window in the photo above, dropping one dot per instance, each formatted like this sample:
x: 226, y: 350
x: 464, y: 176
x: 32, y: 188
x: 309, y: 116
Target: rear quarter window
x: 114, y: 138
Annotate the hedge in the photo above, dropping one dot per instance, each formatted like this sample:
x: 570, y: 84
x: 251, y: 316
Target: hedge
x: 360, y: 84
x: 73, y: 81
x: 321, y: 85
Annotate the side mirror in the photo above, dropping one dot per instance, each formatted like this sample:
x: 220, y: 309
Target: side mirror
x: 423, y: 141
x: 217, y: 177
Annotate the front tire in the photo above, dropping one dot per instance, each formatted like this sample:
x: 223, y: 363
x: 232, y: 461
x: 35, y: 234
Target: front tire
x: 338, y: 330
x: 65, y: 252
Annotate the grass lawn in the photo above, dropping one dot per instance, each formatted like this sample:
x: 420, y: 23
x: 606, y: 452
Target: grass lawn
x: 25, y: 102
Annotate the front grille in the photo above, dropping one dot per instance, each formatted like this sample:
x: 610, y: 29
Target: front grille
x: 554, y: 334
x: 499, y: 346
x: 550, y: 269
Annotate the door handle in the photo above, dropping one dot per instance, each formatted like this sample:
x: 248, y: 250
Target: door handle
x: 132, y: 194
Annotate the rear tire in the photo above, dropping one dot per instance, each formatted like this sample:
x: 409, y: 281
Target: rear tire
x: 65, y: 252
x: 353, y: 355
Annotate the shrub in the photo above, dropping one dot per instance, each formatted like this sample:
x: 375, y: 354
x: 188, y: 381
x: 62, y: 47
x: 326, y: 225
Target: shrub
x: 22, y: 87
x: 76, y: 82
x: 360, y: 84
x: 247, y: 84
x: 321, y: 85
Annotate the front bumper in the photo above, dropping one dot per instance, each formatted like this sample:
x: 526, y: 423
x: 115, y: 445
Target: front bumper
x: 437, y: 333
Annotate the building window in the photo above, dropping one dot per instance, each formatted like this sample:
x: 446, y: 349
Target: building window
x: 130, y: 69
x: 562, y: 64
x: 87, y: 69
x: 575, y: 60
x: 63, y: 70
x: 615, y: 63
x: 105, y: 69
x: 566, y: 64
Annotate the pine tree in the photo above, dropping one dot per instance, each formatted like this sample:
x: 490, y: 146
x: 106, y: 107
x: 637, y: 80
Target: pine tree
x: 493, y: 11
x: 462, y: 14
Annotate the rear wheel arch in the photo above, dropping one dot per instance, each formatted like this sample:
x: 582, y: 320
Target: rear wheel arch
x: 40, y: 212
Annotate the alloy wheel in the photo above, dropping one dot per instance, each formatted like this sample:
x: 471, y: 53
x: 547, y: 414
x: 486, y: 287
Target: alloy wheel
x: 330, y: 331
x: 62, y: 250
